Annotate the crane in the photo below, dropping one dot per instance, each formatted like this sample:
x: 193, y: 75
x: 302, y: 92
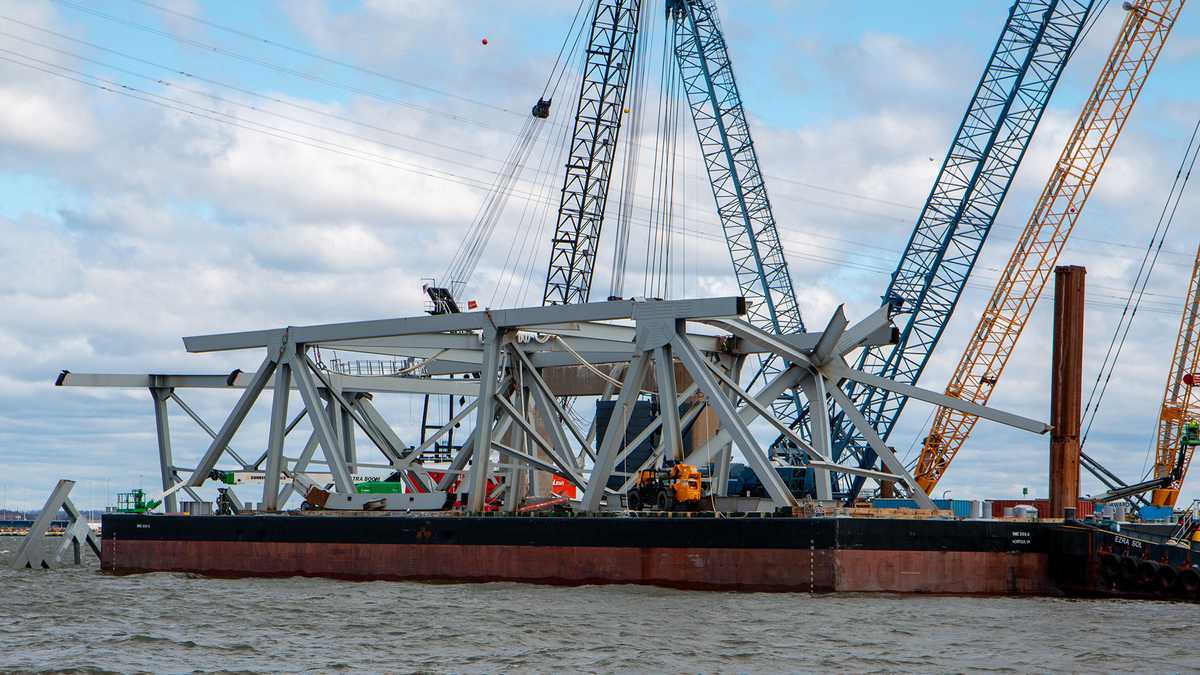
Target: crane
x: 1017, y: 83
x: 1145, y: 30
x: 608, y: 62
x: 736, y: 179
x: 1181, y: 403
x: 727, y: 148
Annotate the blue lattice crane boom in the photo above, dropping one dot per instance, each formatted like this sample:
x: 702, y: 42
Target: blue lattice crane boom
x: 732, y: 164
x: 728, y: 150
x: 736, y: 179
x: 1021, y: 74
x: 608, y: 62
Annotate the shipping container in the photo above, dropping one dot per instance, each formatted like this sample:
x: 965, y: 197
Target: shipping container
x: 961, y: 508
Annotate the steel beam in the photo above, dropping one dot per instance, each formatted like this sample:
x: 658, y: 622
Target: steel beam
x: 664, y: 365
x: 564, y: 466
x: 300, y: 466
x: 162, y: 428
x: 278, y: 430
x: 484, y: 416
x: 617, y: 423
x: 1008, y: 419
x: 322, y: 426
x: 822, y: 438
x: 466, y: 321
x: 732, y: 423
x: 240, y: 380
x: 782, y: 382
x: 885, y: 453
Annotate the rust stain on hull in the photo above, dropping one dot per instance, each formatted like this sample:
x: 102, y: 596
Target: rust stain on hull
x: 795, y: 570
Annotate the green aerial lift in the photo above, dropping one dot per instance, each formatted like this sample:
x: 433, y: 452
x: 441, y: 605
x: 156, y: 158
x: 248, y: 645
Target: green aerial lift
x: 135, y: 502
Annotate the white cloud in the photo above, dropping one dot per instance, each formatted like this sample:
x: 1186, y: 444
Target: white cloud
x: 175, y: 225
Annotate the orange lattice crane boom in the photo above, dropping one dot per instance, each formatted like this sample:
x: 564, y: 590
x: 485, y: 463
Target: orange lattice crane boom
x: 1181, y: 401
x: 1143, y: 34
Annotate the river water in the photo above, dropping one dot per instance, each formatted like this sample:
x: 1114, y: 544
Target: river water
x: 79, y: 619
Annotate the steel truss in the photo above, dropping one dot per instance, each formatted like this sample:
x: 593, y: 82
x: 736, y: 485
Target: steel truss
x: 524, y: 360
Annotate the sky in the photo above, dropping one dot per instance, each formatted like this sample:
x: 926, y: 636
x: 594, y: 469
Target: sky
x: 180, y: 167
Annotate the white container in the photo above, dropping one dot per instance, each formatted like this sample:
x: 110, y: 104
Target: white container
x: 1027, y: 511
x: 197, y: 508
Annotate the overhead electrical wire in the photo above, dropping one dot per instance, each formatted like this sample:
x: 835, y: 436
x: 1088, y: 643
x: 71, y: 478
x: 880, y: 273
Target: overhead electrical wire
x: 450, y: 115
x: 303, y: 52
x: 193, y: 76
x: 439, y: 113
x: 287, y: 70
x: 189, y: 75
x: 219, y: 117
x: 625, y: 208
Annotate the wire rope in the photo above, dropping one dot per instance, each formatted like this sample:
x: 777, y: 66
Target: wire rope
x: 1116, y: 344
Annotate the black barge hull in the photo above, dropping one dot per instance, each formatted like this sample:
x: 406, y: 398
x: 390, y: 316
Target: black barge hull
x: 734, y: 553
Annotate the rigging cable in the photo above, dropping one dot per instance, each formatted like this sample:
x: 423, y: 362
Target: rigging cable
x: 657, y: 263
x: 629, y: 168
x: 1165, y: 218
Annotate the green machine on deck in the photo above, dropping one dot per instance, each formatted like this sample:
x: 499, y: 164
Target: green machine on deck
x: 379, y: 487
x: 135, y: 502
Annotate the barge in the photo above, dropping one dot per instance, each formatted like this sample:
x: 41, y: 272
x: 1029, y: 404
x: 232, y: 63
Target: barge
x: 754, y: 552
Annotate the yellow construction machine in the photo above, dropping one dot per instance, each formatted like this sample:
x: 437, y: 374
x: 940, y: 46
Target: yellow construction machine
x: 673, y: 488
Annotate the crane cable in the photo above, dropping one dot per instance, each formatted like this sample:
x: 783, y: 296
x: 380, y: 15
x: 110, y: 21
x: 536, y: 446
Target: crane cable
x: 535, y: 215
x: 1165, y: 219
x: 470, y: 250
x: 656, y: 282
x: 629, y: 169
x: 462, y: 266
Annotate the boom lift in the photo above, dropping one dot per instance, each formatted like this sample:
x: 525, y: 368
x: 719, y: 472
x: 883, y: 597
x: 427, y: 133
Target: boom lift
x: 1147, y: 25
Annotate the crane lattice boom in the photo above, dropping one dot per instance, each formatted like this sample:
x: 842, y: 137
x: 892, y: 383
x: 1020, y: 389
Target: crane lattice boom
x: 1180, y: 400
x: 987, y: 149
x: 607, y: 65
x: 1147, y: 25
x: 737, y: 182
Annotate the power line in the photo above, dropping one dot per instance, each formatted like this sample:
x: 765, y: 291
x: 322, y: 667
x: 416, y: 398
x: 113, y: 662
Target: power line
x: 288, y: 135
x: 314, y: 55
x: 287, y: 70
x: 220, y: 51
x: 445, y: 114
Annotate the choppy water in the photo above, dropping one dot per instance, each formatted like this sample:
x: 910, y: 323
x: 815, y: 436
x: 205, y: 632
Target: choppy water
x: 79, y: 619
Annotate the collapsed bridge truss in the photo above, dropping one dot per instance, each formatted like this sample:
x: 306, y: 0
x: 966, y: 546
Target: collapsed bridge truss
x: 515, y: 364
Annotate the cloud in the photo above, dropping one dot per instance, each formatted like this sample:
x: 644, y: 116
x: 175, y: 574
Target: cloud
x: 169, y: 224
